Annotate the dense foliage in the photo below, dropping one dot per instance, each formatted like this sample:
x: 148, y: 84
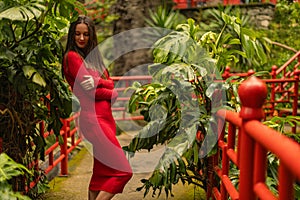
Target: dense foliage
x: 10, y: 169
x: 187, y: 63
x: 211, y: 20
x: 285, y: 29
x: 165, y: 18
x: 183, y: 67
x: 32, y: 88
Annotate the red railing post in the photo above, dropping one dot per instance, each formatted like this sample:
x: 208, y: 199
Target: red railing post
x: 260, y: 164
x: 64, y: 149
x: 286, y: 186
x: 226, y: 73
x: 225, y: 170
x: 253, y: 93
x: 272, y: 97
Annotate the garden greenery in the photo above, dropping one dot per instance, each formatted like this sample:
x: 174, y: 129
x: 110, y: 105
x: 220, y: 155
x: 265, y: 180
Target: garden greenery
x: 186, y: 64
x: 32, y: 87
x: 8, y: 170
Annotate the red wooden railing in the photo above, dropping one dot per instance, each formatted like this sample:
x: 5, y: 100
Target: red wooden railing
x: 287, y: 89
x: 122, y: 83
x: 283, y: 87
x: 283, y: 93
x: 70, y: 131
x: 246, y: 145
x: 58, y: 153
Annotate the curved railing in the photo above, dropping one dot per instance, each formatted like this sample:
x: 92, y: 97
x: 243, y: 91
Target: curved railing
x: 59, y: 153
x: 283, y: 87
x: 122, y: 83
x: 246, y: 145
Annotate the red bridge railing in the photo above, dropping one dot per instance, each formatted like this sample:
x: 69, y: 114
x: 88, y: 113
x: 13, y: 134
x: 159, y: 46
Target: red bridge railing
x: 286, y: 88
x: 246, y: 145
x: 58, y: 153
x: 71, y: 138
x: 70, y: 131
x: 283, y: 88
x: 122, y: 83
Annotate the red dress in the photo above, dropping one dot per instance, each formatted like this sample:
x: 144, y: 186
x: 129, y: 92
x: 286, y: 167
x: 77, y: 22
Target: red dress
x: 111, y: 170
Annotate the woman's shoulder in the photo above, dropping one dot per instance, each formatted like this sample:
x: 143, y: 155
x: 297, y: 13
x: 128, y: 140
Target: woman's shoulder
x: 73, y: 55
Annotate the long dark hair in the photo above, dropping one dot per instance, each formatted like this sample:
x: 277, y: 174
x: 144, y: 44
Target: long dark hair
x: 90, y: 53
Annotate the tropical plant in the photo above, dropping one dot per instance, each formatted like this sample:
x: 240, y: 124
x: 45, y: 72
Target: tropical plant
x: 180, y: 103
x: 32, y: 88
x: 286, y: 8
x: 284, y: 31
x: 279, y: 124
x: 8, y: 170
x: 259, y: 45
x: 164, y: 18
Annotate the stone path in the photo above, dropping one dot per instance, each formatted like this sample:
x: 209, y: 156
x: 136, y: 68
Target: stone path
x: 75, y: 185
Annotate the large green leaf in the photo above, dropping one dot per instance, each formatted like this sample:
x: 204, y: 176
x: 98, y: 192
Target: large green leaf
x: 172, y: 48
x: 34, y: 75
x: 9, y: 168
x: 23, y: 12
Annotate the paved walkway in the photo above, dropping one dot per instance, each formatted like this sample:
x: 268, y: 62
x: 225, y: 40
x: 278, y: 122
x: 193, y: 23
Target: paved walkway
x: 75, y: 185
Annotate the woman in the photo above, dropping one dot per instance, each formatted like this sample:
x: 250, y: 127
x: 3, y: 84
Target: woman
x: 90, y: 82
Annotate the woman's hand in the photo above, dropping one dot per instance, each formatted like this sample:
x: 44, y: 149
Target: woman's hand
x: 89, y: 83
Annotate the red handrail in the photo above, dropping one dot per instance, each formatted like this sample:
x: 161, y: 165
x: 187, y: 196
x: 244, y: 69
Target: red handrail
x: 68, y: 131
x: 254, y: 140
x: 228, y: 147
x: 121, y: 84
x: 283, y: 89
x: 283, y: 68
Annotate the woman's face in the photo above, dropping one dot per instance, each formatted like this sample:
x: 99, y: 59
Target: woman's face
x: 82, y: 35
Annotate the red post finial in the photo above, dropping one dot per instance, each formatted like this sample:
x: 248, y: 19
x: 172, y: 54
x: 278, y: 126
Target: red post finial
x: 253, y: 93
x: 273, y: 72
x: 250, y: 72
x: 226, y: 73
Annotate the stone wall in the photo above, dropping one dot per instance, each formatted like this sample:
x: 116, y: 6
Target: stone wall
x: 260, y: 15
